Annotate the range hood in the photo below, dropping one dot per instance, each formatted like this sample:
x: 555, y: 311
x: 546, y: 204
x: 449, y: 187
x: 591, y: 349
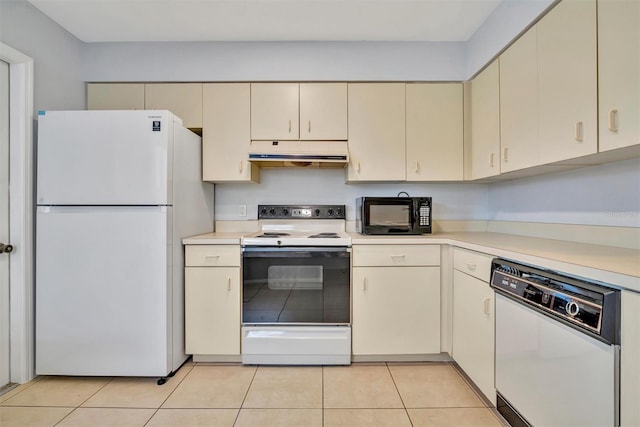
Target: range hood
x: 319, y: 154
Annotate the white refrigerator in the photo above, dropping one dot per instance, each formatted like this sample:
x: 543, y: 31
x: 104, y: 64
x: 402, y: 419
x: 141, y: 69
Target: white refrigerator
x: 116, y: 193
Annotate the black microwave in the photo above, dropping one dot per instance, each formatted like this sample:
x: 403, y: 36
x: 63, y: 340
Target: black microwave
x: 393, y: 215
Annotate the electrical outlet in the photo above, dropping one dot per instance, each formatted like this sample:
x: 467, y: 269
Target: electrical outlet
x: 243, y: 210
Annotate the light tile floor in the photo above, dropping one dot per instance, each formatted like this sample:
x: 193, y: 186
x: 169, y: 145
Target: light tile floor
x: 200, y: 394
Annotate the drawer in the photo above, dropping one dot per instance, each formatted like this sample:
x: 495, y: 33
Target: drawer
x: 212, y: 255
x: 475, y: 264
x: 396, y: 255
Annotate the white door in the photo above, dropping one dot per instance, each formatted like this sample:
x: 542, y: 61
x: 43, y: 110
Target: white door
x: 123, y: 157
x: 4, y: 223
x: 102, y: 296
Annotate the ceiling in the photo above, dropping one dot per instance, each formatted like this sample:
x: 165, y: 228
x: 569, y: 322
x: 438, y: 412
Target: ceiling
x: 269, y: 20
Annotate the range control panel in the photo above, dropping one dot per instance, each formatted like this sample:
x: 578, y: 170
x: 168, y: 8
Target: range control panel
x: 301, y: 212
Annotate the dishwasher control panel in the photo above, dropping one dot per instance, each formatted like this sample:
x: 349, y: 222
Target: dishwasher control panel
x: 577, y: 302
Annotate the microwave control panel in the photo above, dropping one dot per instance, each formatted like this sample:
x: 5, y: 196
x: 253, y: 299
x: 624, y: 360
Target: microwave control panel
x: 424, y: 214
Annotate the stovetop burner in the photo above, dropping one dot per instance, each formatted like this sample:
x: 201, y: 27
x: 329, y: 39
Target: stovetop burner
x: 324, y: 236
x: 269, y: 234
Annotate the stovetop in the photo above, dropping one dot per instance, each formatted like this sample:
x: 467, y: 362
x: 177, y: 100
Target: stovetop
x: 300, y: 225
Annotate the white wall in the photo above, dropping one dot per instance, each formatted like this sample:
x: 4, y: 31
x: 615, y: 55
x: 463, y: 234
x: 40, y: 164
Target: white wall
x: 260, y: 61
x: 597, y: 195
x: 327, y: 186
x: 56, y: 54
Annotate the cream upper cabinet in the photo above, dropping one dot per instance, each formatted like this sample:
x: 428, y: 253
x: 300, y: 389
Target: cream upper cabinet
x: 182, y: 99
x: 274, y: 111
x: 619, y: 73
x: 519, y: 104
x: 434, y: 132
x: 376, y: 132
x: 115, y: 96
x: 323, y: 111
x: 485, y: 123
x: 226, y: 135
x: 567, y: 79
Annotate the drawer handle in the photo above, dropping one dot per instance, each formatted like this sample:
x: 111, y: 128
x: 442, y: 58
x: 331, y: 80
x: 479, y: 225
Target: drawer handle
x: 471, y: 266
x: 487, y: 306
x: 397, y: 256
x: 212, y: 257
x: 228, y: 284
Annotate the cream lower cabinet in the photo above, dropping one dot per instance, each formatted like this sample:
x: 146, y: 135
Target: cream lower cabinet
x: 619, y: 73
x: 396, y: 300
x: 212, y: 300
x: 474, y: 319
x: 226, y: 135
x: 434, y: 132
x: 630, y: 359
x: 376, y: 132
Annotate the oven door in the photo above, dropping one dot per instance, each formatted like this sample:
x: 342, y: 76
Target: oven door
x: 296, y: 285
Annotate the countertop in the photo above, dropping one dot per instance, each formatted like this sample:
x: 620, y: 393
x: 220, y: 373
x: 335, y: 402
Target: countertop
x: 617, y: 266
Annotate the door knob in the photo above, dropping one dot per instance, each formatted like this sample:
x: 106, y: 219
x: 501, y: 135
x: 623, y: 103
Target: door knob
x: 6, y: 249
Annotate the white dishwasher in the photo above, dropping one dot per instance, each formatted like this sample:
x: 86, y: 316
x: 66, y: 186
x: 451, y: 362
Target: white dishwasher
x: 557, y: 348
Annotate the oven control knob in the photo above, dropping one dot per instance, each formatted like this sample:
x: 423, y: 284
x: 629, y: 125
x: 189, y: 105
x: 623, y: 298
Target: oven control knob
x: 285, y: 211
x: 263, y: 211
x: 272, y: 211
x: 338, y: 212
x: 330, y: 212
x: 317, y: 212
x: 572, y: 308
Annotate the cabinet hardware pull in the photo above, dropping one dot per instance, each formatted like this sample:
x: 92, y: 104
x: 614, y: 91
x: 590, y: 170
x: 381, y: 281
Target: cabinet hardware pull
x: 289, y: 126
x: 364, y: 284
x: 212, y: 257
x: 358, y: 167
x: 613, y: 120
x: 487, y: 305
x: 579, y: 131
x: 471, y: 266
x: 228, y: 284
x: 506, y: 154
x: 240, y: 167
x: 491, y: 160
x: 417, y: 167
x: 309, y: 126
x: 397, y: 256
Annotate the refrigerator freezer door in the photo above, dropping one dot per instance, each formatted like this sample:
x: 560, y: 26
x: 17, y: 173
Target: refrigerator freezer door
x: 103, y: 291
x: 122, y: 157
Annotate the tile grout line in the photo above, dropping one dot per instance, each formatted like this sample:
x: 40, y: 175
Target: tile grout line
x: 246, y: 394
x: 84, y: 401
x: 406, y: 411
x: 172, y: 391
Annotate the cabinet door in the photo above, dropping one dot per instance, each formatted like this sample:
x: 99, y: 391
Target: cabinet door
x: 567, y: 69
x: 434, y: 127
x: 212, y: 310
x: 473, y: 331
x: 619, y: 73
x: 396, y: 310
x: 274, y: 111
x: 323, y: 111
x: 519, y: 104
x: 182, y: 99
x: 115, y: 96
x: 226, y: 133
x: 485, y: 123
x: 376, y: 132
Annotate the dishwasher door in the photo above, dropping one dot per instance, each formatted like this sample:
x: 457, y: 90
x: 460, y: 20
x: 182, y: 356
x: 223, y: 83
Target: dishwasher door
x: 553, y: 375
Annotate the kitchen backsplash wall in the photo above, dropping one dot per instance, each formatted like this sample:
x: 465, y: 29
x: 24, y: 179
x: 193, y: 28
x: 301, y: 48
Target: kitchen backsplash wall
x: 607, y: 195
x: 451, y: 201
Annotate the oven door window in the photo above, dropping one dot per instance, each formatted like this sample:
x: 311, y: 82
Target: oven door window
x: 296, y: 286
